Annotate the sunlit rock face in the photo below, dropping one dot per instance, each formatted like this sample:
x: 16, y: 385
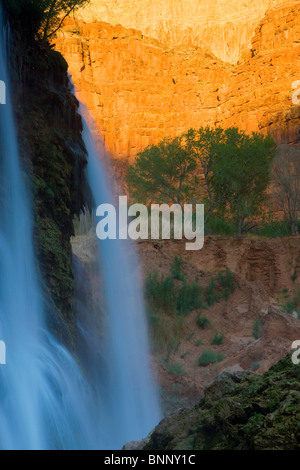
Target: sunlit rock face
x: 140, y: 90
x: 225, y: 27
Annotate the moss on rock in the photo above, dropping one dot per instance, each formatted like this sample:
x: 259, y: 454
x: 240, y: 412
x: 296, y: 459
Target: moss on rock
x: 54, y: 156
x: 239, y: 411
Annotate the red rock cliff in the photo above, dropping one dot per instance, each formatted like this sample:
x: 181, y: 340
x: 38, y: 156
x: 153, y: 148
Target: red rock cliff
x: 140, y: 90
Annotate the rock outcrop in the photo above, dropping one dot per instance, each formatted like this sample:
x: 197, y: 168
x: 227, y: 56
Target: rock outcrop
x: 257, y: 332
x: 223, y: 27
x: 139, y: 90
x: 53, y: 157
x: 239, y: 411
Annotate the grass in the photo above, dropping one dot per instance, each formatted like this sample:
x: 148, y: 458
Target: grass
x: 209, y: 357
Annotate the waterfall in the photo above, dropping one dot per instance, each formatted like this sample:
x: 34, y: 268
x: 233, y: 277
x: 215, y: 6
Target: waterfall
x: 130, y: 398
x: 46, y: 399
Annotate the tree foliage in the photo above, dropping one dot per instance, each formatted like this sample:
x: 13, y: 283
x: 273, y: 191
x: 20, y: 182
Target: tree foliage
x: 228, y: 170
x: 43, y: 17
x: 164, y: 173
x: 286, y: 184
x: 54, y: 14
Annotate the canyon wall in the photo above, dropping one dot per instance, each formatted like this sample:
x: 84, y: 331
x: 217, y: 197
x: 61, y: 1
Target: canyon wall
x: 139, y: 90
x: 224, y: 27
x: 53, y: 158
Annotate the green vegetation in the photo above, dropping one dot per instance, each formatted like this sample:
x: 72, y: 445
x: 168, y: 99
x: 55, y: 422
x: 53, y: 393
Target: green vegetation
x: 235, y: 168
x: 266, y: 227
x: 244, y: 411
x: 176, y: 369
x: 202, y: 322
x: 257, y: 328
x: 170, y: 298
x: 286, y: 179
x: 163, y: 173
x: 217, y: 339
x: 292, y: 304
x: 209, y: 357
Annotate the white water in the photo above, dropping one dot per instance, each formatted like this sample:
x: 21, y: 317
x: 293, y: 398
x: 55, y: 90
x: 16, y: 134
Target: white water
x: 45, y: 400
x: 130, y: 398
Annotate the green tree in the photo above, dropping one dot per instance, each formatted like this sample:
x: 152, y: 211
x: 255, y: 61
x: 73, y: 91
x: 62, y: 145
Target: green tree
x: 164, y: 173
x: 226, y: 169
x: 202, y: 143
x: 286, y: 184
x: 236, y: 171
x: 243, y: 169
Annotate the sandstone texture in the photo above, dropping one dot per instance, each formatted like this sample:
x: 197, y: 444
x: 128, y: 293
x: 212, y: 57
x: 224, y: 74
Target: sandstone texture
x: 139, y: 90
x: 224, y: 27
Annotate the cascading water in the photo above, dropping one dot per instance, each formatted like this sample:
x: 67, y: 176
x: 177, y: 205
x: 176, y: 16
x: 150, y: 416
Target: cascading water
x: 46, y: 402
x: 130, y: 401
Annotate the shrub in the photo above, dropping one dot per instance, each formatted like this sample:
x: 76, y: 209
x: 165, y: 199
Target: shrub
x: 220, y: 226
x: 202, y: 322
x: 176, y: 269
x: 176, y: 369
x: 161, y: 292
x: 255, y: 366
x: 218, y: 339
x: 189, y: 298
x: 257, y: 328
x: 227, y: 282
x: 273, y: 229
x: 209, y: 357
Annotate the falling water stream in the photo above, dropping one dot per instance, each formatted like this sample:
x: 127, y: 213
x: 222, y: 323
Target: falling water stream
x: 46, y: 399
x: 130, y: 397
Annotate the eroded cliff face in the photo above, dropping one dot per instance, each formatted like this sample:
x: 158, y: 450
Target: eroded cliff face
x: 221, y: 26
x: 140, y: 90
x: 53, y: 157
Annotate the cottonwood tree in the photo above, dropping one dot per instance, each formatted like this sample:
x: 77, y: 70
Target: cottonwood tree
x: 286, y: 184
x: 243, y: 169
x: 226, y: 169
x: 236, y: 170
x: 164, y: 173
x: 202, y: 144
